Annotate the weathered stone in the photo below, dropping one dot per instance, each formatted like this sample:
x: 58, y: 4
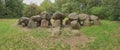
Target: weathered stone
x: 95, y: 20
x: 57, y: 23
x: 73, y: 16
x: 82, y: 17
x: 75, y: 25
x: 44, y: 23
x: 67, y: 23
x: 86, y: 23
x: 23, y: 24
x: 37, y: 19
x: 23, y: 21
x: 45, y: 15
x: 93, y: 17
x: 32, y: 24
x: 58, y: 15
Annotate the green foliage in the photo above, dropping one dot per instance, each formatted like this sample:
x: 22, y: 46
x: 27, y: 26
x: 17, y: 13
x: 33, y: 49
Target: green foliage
x: 47, y: 5
x: 105, y: 9
x: 104, y: 35
x: 2, y: 10
x: 97, y: 10
x: 69, y: 8
x: 119, y: 18
x: 31, y: 10
x: 11, y: 8
x: 100, y: 11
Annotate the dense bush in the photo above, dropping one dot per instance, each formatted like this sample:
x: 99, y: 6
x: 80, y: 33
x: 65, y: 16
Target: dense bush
x: 47, y: 5
x: 100, y: 11
x: 2, y: 10
x: 11, y: 8
x: 105, y: 9
x: 31, y: 10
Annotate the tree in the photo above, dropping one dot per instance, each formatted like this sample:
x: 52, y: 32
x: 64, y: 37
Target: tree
x: 12, y: 8
x: 2, y: 9
x: 47, y: 5
x: 31, y: 10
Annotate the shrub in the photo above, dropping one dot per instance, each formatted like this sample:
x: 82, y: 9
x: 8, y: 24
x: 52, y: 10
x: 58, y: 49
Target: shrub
x: 100, y: 11
x: 31, y: 10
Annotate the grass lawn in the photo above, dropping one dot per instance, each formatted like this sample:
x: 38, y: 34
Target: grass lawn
x: 103, y: 37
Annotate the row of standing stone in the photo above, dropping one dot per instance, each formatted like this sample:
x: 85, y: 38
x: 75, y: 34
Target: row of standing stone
x: 74, y: 21
x: 77, y: 20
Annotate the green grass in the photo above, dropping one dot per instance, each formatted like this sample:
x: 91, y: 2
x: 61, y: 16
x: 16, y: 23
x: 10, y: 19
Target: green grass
x: 13, y: 37
x: 105, y: 36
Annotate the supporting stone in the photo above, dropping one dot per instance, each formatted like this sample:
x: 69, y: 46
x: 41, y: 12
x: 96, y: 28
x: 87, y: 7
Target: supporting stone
x: 87, y: 22
x: 57, y: 23
x: 32, y: 24
x: 44, y: 23
x: 75, y: 24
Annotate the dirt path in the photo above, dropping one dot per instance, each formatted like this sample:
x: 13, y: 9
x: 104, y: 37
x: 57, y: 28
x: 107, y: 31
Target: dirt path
x: 74, y: 41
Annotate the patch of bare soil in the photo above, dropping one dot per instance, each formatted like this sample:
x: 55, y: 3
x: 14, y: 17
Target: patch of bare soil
x: 75, y: 40
x: 49, y: 30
